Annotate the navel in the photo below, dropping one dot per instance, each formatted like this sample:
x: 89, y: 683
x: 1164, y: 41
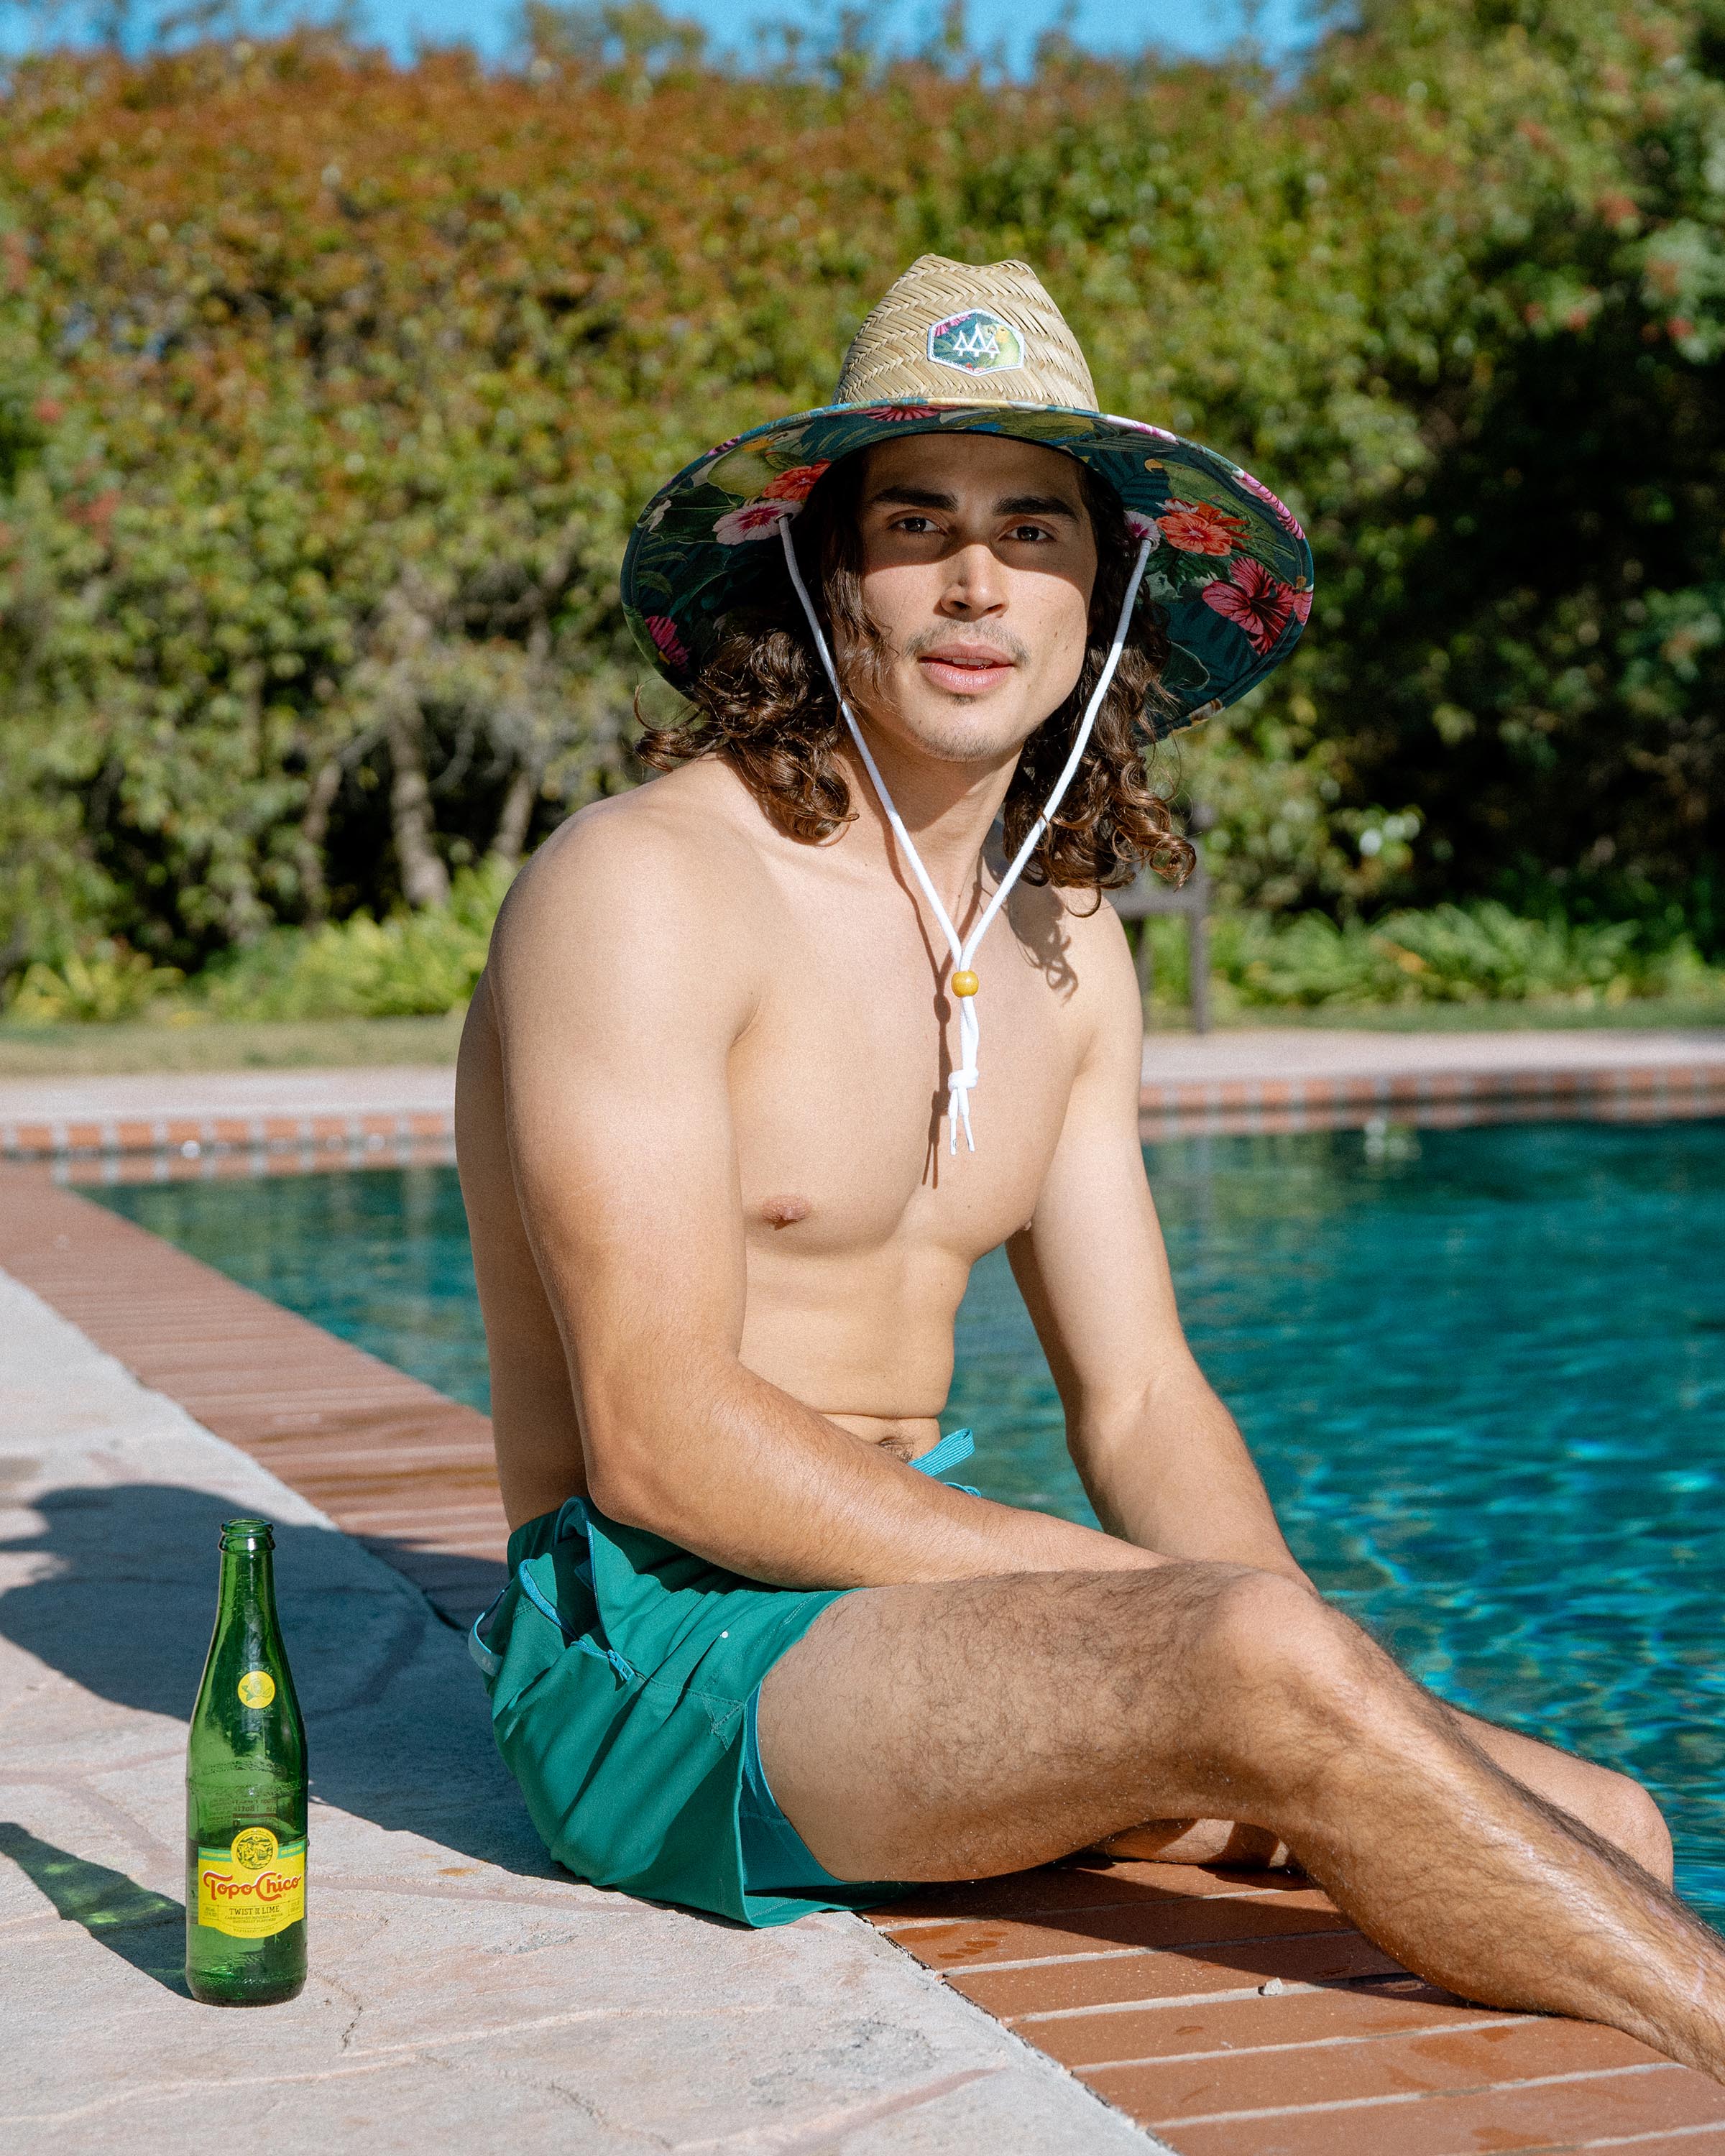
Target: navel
x: 784, y: 1212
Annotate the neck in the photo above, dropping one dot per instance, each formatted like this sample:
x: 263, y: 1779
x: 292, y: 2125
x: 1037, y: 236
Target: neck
x: 948, y: 809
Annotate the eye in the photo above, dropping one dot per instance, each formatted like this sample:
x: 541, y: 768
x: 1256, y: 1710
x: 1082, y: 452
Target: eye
x: 1029, y: 534
x: 914, y: 522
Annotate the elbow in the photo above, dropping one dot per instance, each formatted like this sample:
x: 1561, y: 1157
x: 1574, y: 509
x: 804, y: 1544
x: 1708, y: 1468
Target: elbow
x: 623, y: 1494
x: 657, y: 1447
x: 645, y: 1432
x: 629, y: 1485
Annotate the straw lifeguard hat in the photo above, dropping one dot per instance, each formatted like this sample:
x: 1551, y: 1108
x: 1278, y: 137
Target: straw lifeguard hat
x: 955, y: 348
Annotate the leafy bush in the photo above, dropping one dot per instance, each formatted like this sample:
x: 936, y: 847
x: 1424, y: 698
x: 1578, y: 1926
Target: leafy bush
x: 405, y: 966
x: 109, y: 983
x: 1474, y: 954
x: 412, y: 965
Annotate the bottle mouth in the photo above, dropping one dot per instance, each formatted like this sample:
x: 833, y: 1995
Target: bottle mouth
x: 248, y: 1535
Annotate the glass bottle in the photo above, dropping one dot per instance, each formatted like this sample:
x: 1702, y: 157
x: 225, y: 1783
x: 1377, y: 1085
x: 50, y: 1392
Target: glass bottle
x: 245, y: 1794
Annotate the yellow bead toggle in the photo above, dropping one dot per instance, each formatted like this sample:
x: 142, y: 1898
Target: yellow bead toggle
x: 965, y: 983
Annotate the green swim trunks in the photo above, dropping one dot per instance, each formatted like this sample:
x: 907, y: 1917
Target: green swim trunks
x: 625, y: 1674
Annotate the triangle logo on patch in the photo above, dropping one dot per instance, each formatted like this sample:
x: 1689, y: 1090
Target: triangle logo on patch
x: 978, y: 342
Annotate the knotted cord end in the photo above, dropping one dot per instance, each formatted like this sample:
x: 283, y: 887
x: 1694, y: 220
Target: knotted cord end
x: 958, y: 1086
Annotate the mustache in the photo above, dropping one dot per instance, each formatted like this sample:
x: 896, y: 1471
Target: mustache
x: 931, y: 639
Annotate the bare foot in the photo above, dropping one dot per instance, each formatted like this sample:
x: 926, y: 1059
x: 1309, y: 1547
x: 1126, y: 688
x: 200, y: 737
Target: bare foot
x: 1200, y: 1841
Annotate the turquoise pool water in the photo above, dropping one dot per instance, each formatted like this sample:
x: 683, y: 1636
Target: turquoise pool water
x: 1483, y: 1371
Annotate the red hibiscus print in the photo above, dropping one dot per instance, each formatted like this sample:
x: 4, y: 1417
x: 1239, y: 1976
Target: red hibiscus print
x: 895, y: 412
x: 1257, y: 604
x: 663, y: 630
x: 1300, y: 599
x: 794, y: 485
x: 1197, y: 527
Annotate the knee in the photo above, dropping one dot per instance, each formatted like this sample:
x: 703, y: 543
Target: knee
x: 1268, y: 1647
x: 1621, y: 1812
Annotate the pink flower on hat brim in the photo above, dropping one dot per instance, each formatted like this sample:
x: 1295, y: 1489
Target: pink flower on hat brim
x: 1257, y: 604
x: 1283, y: 515
x: 1198, y: 527
x: 755, y: 520
x: 1143, y: 527
x: 894, y: 413
x: 796, y: 485
x: 663, y: 630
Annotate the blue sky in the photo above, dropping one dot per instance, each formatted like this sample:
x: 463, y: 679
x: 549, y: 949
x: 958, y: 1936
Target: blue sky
x: 1194, y: 26
x: 1181, y: 26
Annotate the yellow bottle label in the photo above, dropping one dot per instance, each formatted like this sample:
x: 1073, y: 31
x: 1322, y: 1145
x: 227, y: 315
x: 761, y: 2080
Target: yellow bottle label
x: 256, y: 1688
x: 255, y: 1888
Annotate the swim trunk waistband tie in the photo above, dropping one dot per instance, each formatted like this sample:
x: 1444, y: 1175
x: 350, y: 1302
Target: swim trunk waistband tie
x: 964, y: 1078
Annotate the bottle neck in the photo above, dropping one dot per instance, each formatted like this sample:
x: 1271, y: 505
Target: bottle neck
x: 246, y: 1600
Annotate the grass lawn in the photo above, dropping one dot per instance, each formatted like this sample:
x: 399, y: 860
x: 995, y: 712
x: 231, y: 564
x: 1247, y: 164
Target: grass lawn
x: 1680, y: 1013
x: 78, y: 1051
x: 88, y: 1051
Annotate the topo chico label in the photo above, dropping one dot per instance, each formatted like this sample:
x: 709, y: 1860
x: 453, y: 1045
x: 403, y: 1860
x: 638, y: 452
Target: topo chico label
x: 255, y: 1888
x: 256, y: 1688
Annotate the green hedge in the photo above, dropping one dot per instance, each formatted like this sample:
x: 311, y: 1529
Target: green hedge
x: 330, y: 389
x: 1479, y: 953
x: 425, y: 962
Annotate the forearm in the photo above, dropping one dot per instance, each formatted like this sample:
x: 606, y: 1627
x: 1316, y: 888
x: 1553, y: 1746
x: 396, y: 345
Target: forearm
x: 1171, y: 1472
x: 736, y: 1470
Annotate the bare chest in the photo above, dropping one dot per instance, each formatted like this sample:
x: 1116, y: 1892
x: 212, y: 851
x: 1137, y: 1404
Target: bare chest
x: 840, y: 1095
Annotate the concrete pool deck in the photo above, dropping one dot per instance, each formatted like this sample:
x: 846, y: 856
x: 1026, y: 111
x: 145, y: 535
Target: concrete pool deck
x: 463, y: 1995
x: 464, y: 1992
x: 1267, y: 1078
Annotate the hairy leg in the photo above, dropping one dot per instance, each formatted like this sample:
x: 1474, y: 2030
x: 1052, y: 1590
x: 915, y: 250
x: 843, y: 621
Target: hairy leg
x: 1616, y: 1808
x: 976, y: 1726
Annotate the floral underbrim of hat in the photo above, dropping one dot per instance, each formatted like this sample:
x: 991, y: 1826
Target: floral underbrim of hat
x: 1230, y: 570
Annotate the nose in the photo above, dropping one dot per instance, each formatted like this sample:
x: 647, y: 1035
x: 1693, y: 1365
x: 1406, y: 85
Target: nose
x: 976, y: 586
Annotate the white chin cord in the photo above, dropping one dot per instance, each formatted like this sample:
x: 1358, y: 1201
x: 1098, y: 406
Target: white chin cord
x: 964, y: 982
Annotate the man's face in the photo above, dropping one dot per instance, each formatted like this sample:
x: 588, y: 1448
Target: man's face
x: 978, y: 563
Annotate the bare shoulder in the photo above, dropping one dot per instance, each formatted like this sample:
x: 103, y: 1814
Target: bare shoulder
x: 1080, y: 942
x: 663, y: 875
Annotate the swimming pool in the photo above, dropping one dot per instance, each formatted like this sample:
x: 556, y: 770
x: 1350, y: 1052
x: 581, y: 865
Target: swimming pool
x: 1483, y: 1371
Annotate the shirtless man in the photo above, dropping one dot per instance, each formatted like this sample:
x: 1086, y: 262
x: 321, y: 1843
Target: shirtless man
x: 713, y: 1102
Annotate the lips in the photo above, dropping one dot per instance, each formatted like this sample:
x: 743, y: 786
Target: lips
x: 965, y: 670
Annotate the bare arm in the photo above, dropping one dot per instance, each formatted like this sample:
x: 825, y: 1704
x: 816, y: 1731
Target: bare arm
x: 1161, y: 1459
x: 621, y: 975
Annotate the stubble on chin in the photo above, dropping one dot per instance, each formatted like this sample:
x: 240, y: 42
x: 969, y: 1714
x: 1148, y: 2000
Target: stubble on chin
x: 951, y: 727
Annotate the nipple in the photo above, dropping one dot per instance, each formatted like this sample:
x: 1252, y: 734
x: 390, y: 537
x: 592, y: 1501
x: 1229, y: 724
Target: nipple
x: 784, y: 1212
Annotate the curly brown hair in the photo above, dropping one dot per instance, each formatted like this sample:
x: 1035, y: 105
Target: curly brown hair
x: 761, y: 702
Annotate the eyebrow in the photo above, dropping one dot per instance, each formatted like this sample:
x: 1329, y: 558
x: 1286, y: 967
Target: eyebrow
x: 1012, y: 505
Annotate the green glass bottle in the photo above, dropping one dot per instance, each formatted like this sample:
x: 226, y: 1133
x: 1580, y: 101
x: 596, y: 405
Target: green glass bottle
x: 245, y: 1795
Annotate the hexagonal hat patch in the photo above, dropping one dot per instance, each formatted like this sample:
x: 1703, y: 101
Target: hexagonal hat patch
x: 977, y: 341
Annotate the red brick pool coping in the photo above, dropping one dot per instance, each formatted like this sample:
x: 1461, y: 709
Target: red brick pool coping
x: 1271, y: 1080
x: 1433, y: 1099
x: 1232, y: 2013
